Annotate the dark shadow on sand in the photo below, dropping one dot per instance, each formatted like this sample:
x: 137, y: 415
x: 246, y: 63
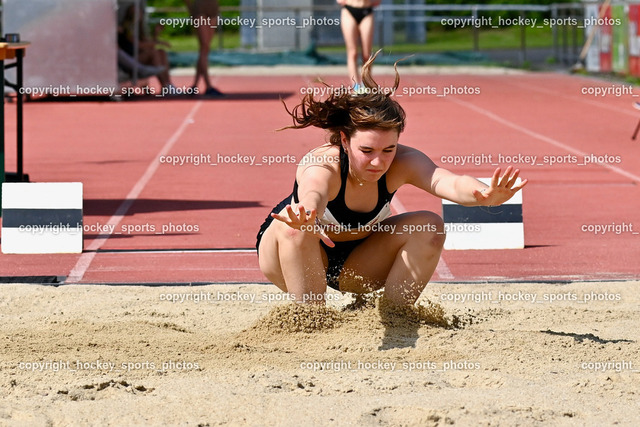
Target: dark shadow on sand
x: 582, y: 337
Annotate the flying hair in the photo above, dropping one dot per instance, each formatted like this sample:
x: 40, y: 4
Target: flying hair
x: 372, y: 107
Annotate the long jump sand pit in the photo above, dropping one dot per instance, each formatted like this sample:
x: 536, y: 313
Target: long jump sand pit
x: 482, y: 354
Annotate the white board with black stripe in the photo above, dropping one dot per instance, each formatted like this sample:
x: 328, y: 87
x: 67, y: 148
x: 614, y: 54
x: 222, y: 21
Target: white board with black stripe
x: 483, y: 227
x: 42, y: 217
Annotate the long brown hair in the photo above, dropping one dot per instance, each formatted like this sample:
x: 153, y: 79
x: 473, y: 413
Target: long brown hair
x: 370, y: 108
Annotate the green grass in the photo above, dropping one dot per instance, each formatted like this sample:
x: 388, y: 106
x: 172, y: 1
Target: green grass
x: 437, y: 41
x: 462, y: 40
x: 190, y: 43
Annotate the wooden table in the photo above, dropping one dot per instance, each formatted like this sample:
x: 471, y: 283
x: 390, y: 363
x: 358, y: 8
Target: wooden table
x: 12, y: 51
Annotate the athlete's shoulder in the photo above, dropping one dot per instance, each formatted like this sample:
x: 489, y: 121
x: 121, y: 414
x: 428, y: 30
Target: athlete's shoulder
x: 406, y: 156
x: 408, y: 163
x: 326, y: 155
x: 320, y: 169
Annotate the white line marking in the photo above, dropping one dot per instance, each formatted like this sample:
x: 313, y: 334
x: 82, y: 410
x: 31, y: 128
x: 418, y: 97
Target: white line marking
x: 441, y: 269
x: 86, y: 258
x: 542, y: 137
x: 397, y: 205
x: 580, y: 98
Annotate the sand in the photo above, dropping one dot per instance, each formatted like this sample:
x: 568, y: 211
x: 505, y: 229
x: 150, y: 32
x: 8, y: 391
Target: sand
x: 233, y: 355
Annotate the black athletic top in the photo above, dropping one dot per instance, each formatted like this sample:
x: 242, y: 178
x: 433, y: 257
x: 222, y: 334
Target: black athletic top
x: 337, y: 212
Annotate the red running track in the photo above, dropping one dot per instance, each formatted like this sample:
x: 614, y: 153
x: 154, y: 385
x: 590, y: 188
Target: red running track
x: 196, y: 223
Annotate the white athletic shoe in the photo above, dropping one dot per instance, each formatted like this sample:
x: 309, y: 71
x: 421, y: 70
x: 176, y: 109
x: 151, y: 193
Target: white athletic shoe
x: 360, y: 89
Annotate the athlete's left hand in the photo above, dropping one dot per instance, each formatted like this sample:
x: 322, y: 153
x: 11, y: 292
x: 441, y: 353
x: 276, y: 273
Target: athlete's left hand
x: 502, y: 188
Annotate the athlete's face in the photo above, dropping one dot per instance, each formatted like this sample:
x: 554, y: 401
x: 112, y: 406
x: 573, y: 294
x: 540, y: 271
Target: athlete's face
x: 371, y: 152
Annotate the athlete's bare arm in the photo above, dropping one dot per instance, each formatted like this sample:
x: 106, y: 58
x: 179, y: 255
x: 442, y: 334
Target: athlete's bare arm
x: 318, y: 180
x: 419, y: 170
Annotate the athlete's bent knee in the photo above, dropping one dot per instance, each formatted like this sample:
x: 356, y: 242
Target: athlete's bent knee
x: 431, y: 227
x: 294, y: 237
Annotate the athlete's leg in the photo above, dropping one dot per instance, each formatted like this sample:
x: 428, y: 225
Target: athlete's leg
x: 401, y: 262
x: 366, y: 36
x: 157, y: 58
x: 205, y: 35
x: 351, y: 36
x: 162, y: 60
x: 294, y: 261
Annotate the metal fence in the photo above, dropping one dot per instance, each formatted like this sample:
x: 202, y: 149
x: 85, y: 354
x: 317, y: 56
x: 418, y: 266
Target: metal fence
x: 393, y: 21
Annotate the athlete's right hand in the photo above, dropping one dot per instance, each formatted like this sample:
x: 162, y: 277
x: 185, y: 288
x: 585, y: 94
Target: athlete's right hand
x: 304, y: 220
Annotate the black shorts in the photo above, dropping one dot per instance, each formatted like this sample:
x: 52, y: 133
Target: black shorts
x: 269, y: 219
x: 336, y: 255
x: 359, y: 13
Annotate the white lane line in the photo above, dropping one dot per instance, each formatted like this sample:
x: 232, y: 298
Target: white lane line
x: 541, y: 137
x: 397, y: 205
x: 441, y: 269
x: 85, y: 260
x: 577, y: 98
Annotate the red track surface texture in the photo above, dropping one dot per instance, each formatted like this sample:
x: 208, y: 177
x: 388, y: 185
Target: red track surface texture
x: 172, y: 222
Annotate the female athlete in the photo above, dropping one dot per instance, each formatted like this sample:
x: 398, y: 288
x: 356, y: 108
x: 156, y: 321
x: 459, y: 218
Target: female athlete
x: 336, y: 228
